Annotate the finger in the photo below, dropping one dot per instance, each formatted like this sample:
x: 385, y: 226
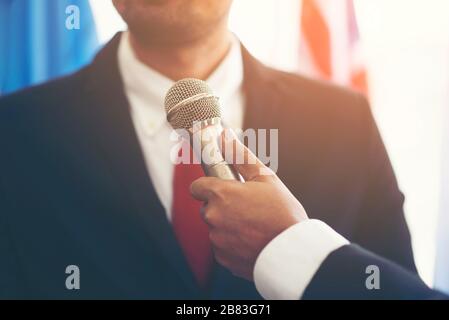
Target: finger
x: 202, y: 189
x: 210, y: 216
x: 218, y: 238
x: 203, y: 212
x: 236, y: 153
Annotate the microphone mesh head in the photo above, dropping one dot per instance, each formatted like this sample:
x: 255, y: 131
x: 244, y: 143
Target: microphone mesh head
x: 205, y: 108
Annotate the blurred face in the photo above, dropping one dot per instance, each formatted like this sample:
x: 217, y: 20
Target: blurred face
x: 172, y: 21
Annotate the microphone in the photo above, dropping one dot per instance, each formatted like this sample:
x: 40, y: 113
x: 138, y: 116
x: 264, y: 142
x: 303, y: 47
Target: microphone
x: 191, y: 105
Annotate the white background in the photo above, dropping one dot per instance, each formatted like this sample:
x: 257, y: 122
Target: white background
x: 406, y: 45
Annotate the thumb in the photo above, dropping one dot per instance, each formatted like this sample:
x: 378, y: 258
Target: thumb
x: 237, y: 154
x: 204, y: 188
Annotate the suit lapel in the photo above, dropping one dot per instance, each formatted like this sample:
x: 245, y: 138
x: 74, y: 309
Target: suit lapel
x: 110, y: 122
x: 262, y: 100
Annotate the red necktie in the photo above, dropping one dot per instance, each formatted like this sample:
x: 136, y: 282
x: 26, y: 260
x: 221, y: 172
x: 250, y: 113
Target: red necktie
x: 190, y: 229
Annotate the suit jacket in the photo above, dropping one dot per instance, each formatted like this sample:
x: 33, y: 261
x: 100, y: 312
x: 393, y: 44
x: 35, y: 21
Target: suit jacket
x: 75, y: 191
x: 343, y: 275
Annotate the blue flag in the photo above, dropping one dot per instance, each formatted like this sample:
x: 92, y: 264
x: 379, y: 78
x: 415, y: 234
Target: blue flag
x: 44, y: 39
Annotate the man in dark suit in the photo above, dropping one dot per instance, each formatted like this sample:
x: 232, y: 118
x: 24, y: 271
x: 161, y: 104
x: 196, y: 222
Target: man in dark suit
x: 262, y: 233
x: 84, y: 178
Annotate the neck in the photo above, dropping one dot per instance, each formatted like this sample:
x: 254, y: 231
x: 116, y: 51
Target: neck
x: 193, y: 59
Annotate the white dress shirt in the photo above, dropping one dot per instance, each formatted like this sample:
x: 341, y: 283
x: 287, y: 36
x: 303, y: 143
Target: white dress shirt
x: 145, y: 89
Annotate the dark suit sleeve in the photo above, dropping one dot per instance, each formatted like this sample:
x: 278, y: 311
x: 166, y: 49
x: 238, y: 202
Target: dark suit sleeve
x: 344, y: 275
x: 10, y: 281
x: 10, y: 278
x: 382, y: 227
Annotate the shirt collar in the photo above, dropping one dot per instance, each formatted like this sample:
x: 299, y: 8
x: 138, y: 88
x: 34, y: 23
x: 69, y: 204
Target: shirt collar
x: 146, y: 88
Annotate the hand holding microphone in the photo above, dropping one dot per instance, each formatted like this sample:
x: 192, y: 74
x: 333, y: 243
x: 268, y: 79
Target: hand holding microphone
x: 245, y: 217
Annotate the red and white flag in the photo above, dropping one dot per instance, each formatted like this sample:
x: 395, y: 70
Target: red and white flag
x: 330, y: 43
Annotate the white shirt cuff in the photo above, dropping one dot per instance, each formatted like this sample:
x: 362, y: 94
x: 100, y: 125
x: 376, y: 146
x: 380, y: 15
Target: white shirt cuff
x: 286, y: 266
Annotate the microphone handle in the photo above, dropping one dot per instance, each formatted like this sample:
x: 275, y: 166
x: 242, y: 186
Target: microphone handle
x: 206, y: 138
x: 221, y: 170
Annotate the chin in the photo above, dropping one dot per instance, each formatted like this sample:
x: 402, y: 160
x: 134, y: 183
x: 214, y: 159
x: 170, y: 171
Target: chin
x: 172, y: 21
